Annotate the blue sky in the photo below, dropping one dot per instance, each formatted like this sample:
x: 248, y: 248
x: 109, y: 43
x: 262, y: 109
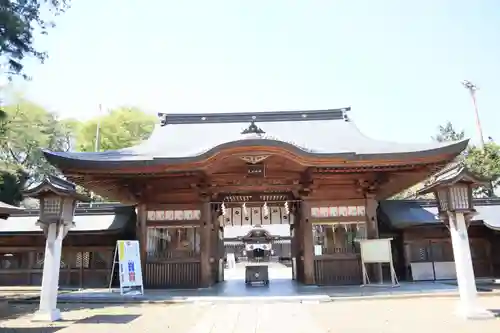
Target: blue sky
x: 397, y: 63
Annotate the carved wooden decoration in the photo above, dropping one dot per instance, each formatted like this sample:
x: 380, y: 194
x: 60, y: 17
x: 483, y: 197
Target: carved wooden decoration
x: 254, y: 159
x: 335, y: 211
x: 256, y: 170
x: 173, y: 215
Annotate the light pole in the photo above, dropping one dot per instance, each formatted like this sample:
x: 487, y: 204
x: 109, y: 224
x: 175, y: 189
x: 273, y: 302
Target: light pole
x: 96, y: 144
x: 472, y: 90
x: 98, y: 130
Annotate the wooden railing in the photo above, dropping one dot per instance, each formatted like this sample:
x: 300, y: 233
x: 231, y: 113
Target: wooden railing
x: 175, y: 255
x: 337, y: 271
x: 79, y: 269
x: 165, y: 275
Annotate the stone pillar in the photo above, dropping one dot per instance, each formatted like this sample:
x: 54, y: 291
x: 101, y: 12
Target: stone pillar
x: 372, y: 232
x: 205, y: 240
x: 58, y: 199
x: 468, y: 307
x: 307, y: 241
x: 55, y: 233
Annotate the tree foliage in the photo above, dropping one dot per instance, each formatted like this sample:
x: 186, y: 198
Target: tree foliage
x: 11, y: 184
x: 21, y: 21
x: 120, y: 128
x: 448, y: 133
x: 26, y: 128
x: 485, y: 163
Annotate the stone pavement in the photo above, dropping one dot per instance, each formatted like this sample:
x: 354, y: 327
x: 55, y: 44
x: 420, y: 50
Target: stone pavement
x: 281, y: 289
x: 381, y: 316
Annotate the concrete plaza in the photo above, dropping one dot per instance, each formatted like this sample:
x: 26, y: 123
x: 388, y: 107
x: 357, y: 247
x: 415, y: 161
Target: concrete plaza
x: 389, y: 315
x: 281, y: 289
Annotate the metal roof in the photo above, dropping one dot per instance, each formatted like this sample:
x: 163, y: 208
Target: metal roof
x: 403, y: 214
x: 83, y: 223
x: 191, y: 137
x: 6, y: 209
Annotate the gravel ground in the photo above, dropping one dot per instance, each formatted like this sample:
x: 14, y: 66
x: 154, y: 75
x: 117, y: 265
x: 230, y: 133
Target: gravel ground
x: 395, y: 315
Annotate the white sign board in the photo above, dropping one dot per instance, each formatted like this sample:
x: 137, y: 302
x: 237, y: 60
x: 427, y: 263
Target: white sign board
x: 376, y: 250
x: 129, y: 263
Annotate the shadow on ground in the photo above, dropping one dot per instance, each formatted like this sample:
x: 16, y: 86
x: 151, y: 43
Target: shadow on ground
x: 496, y: 312
x: 31, y: 329
x: 16, y: 310
x: 108, y: 319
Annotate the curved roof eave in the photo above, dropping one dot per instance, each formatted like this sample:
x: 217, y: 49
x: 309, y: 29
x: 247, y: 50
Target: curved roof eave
x: 129, y: 158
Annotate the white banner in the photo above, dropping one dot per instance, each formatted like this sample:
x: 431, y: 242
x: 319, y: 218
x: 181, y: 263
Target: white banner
x: 129, y: 263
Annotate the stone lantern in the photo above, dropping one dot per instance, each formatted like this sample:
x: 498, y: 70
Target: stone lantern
x: 58, y: 199
x: 452, y: 188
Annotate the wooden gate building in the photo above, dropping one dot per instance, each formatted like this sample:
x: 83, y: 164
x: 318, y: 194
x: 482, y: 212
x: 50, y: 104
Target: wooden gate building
x: 314, y: 169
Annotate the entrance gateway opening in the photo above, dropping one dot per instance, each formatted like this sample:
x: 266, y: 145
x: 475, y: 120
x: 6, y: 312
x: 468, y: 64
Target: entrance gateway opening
x: 264, y: 237
x: 258, y: 238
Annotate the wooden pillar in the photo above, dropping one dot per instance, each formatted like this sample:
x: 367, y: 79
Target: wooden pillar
x: 372, y: 230
x: 205, y: 240
x: 293, y: 242
x: 299, y: 243
x: 214, y: 245
x: 142, y: 215
x: 307, y: 241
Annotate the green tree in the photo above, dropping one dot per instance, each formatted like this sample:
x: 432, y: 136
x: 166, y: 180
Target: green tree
x: 448, y: 133
x: 11, y: 184
x: 119, y: 128
x: 27, y: 129
x: 485, y: 163
x: 445, y: 133
x: 20, y: 21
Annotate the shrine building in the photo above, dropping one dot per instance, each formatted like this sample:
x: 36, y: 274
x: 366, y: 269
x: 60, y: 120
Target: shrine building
x: 310, y: 177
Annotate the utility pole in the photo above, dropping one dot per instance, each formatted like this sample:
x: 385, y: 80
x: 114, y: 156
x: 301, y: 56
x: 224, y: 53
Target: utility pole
x: 98, y: 130
x: 472, y: 88
x: 96, y: 145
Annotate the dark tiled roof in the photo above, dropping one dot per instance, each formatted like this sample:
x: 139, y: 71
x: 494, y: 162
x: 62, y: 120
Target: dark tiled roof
x: 191, y: 137
x: 407, y: 213
x: 55, y: 185
x: 86, y: 221
x: 6, y: 209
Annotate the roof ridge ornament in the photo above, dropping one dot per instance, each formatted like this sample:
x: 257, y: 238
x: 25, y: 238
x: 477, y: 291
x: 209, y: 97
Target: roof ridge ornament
x: 254, y: 130
x: 242, y: 117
